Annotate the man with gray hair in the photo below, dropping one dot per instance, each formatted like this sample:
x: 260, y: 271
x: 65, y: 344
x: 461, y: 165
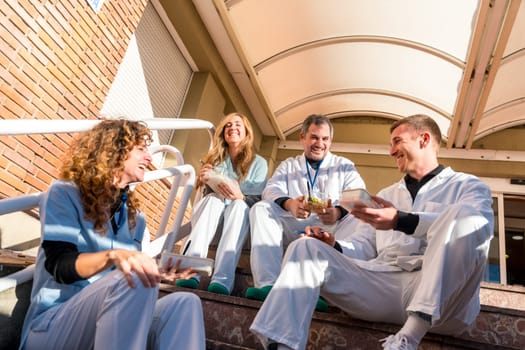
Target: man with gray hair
x: 304, y: 190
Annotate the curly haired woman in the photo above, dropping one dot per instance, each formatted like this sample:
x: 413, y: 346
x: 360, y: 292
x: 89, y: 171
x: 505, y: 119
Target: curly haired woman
x: 93, y: 287
x: 239, y: 178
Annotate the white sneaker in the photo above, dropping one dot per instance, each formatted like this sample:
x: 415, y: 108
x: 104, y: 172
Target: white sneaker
x: 398, y: 342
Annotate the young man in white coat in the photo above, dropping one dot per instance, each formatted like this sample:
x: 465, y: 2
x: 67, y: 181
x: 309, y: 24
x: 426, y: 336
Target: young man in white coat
x: 426, y: 252
x: 283, y: 213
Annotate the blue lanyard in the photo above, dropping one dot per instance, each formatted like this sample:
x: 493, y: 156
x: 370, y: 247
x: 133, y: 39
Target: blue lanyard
x: 310, y: 181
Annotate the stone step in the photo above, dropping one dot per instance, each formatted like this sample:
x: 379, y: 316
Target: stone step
x: 500, y: 325
x: 228, y: 319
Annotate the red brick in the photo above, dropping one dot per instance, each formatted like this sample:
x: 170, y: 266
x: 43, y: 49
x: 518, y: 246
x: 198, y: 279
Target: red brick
x: 17, y: 170
x: 45, y: 166
x: 7, y: 191
x: 61, y: 77
x: 41, y: 50
x: 47, y: 178
x: 55, y: 19
x: 13, y: 29
x: 16, y: 98
x: 91, y: 20
x: 43, y: 108
x: 94, y: 109
x: 30, y: 12
x: 23, y: 20
x: 32, y: 142
x: 38, y: 184
x: 23, y: 84
x: 14, y: 109
x: 13, y: 181
x: 9, y: 41
x: 66, y: 60
x: 68, y: 11
x: 6, y: 113
x: 35, y: 64
x: 51, y: 45
x: 51, y: 32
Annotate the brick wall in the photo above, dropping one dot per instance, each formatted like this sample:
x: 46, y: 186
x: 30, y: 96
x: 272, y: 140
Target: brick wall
x: 57, y: 61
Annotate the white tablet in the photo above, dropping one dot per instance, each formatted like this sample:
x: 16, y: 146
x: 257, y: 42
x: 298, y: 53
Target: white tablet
x: 202, y: 266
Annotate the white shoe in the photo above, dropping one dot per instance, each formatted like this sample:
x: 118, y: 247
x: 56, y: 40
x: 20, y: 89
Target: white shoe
x: 398, y: 342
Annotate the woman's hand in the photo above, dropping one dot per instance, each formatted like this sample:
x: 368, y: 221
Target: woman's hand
x: 230, y: 189
x: 204, y: 171
x: 141, y: 264
x: 171, y: 274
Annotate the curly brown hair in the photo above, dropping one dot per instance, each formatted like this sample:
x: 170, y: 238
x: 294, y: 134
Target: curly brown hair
x: 95, y: 158
x: 219, y: 152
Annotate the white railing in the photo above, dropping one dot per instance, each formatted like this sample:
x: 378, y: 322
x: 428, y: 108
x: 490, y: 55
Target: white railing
x: 183, y: 177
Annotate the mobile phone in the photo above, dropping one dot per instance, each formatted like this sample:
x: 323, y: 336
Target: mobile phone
x: 358, y: 196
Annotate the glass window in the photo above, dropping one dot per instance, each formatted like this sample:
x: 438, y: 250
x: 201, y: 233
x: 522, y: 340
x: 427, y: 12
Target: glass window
x: 514, y: 242
x: 506, y: 259
x: 492, y: 272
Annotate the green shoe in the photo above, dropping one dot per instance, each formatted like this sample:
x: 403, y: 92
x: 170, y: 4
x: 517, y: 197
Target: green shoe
x: 258, y: 293
x: 191, y: 283
x: 321, y: 305
x: 218, y: 288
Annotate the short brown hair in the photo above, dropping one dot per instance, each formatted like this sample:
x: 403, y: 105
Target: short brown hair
x: 420, y: 122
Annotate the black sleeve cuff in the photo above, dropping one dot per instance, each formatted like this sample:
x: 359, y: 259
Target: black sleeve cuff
x: 406, y: 222
x: 343, y: 211
x: 338, y: 247
x: 60, y: 261
x: 280, y: 201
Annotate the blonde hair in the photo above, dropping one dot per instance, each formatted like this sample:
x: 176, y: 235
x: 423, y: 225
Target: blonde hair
x: 93, y: 161
x: 219, y: 152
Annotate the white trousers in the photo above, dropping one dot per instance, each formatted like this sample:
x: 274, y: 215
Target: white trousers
x: 108, y: 314
x: 207, y: 215
x: 447, y: 286
x: 270, y: 235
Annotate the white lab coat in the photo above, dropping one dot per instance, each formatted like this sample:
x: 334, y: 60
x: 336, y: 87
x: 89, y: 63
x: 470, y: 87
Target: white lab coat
x: 437, y: 270
x: 272, y: 228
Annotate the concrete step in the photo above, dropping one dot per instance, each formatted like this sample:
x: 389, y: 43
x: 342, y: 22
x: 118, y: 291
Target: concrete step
x: 228, y: 319
x: 500, y: 325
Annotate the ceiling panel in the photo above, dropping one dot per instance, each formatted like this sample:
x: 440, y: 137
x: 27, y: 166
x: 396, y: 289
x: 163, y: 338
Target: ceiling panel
x: 455, y: 60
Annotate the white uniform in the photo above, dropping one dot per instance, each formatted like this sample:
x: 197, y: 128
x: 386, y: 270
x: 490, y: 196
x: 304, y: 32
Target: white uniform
x: 273, y: 228
x: 212, y: 209
x: 437, y: 270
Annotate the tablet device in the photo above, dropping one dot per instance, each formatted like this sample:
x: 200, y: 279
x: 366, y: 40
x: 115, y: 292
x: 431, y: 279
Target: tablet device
x: 358, y: 196
x: 203, y: 266
x: 213, y: 179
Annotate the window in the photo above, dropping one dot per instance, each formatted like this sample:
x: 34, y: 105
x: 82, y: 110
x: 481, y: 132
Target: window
x: 506, y: 261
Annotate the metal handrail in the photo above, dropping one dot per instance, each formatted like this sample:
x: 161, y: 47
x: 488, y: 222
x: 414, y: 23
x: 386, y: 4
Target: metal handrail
x: 183, y: 176
x: 56, y: 126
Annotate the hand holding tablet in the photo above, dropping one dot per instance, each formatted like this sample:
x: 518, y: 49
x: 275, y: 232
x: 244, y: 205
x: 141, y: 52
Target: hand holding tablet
x: 358, y: 196
x: 203, y: 266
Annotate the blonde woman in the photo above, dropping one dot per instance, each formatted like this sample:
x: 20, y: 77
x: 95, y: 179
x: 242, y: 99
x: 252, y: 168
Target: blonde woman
x: 237, y: 176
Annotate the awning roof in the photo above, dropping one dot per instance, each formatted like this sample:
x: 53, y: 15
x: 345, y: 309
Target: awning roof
x: 462, y: 62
